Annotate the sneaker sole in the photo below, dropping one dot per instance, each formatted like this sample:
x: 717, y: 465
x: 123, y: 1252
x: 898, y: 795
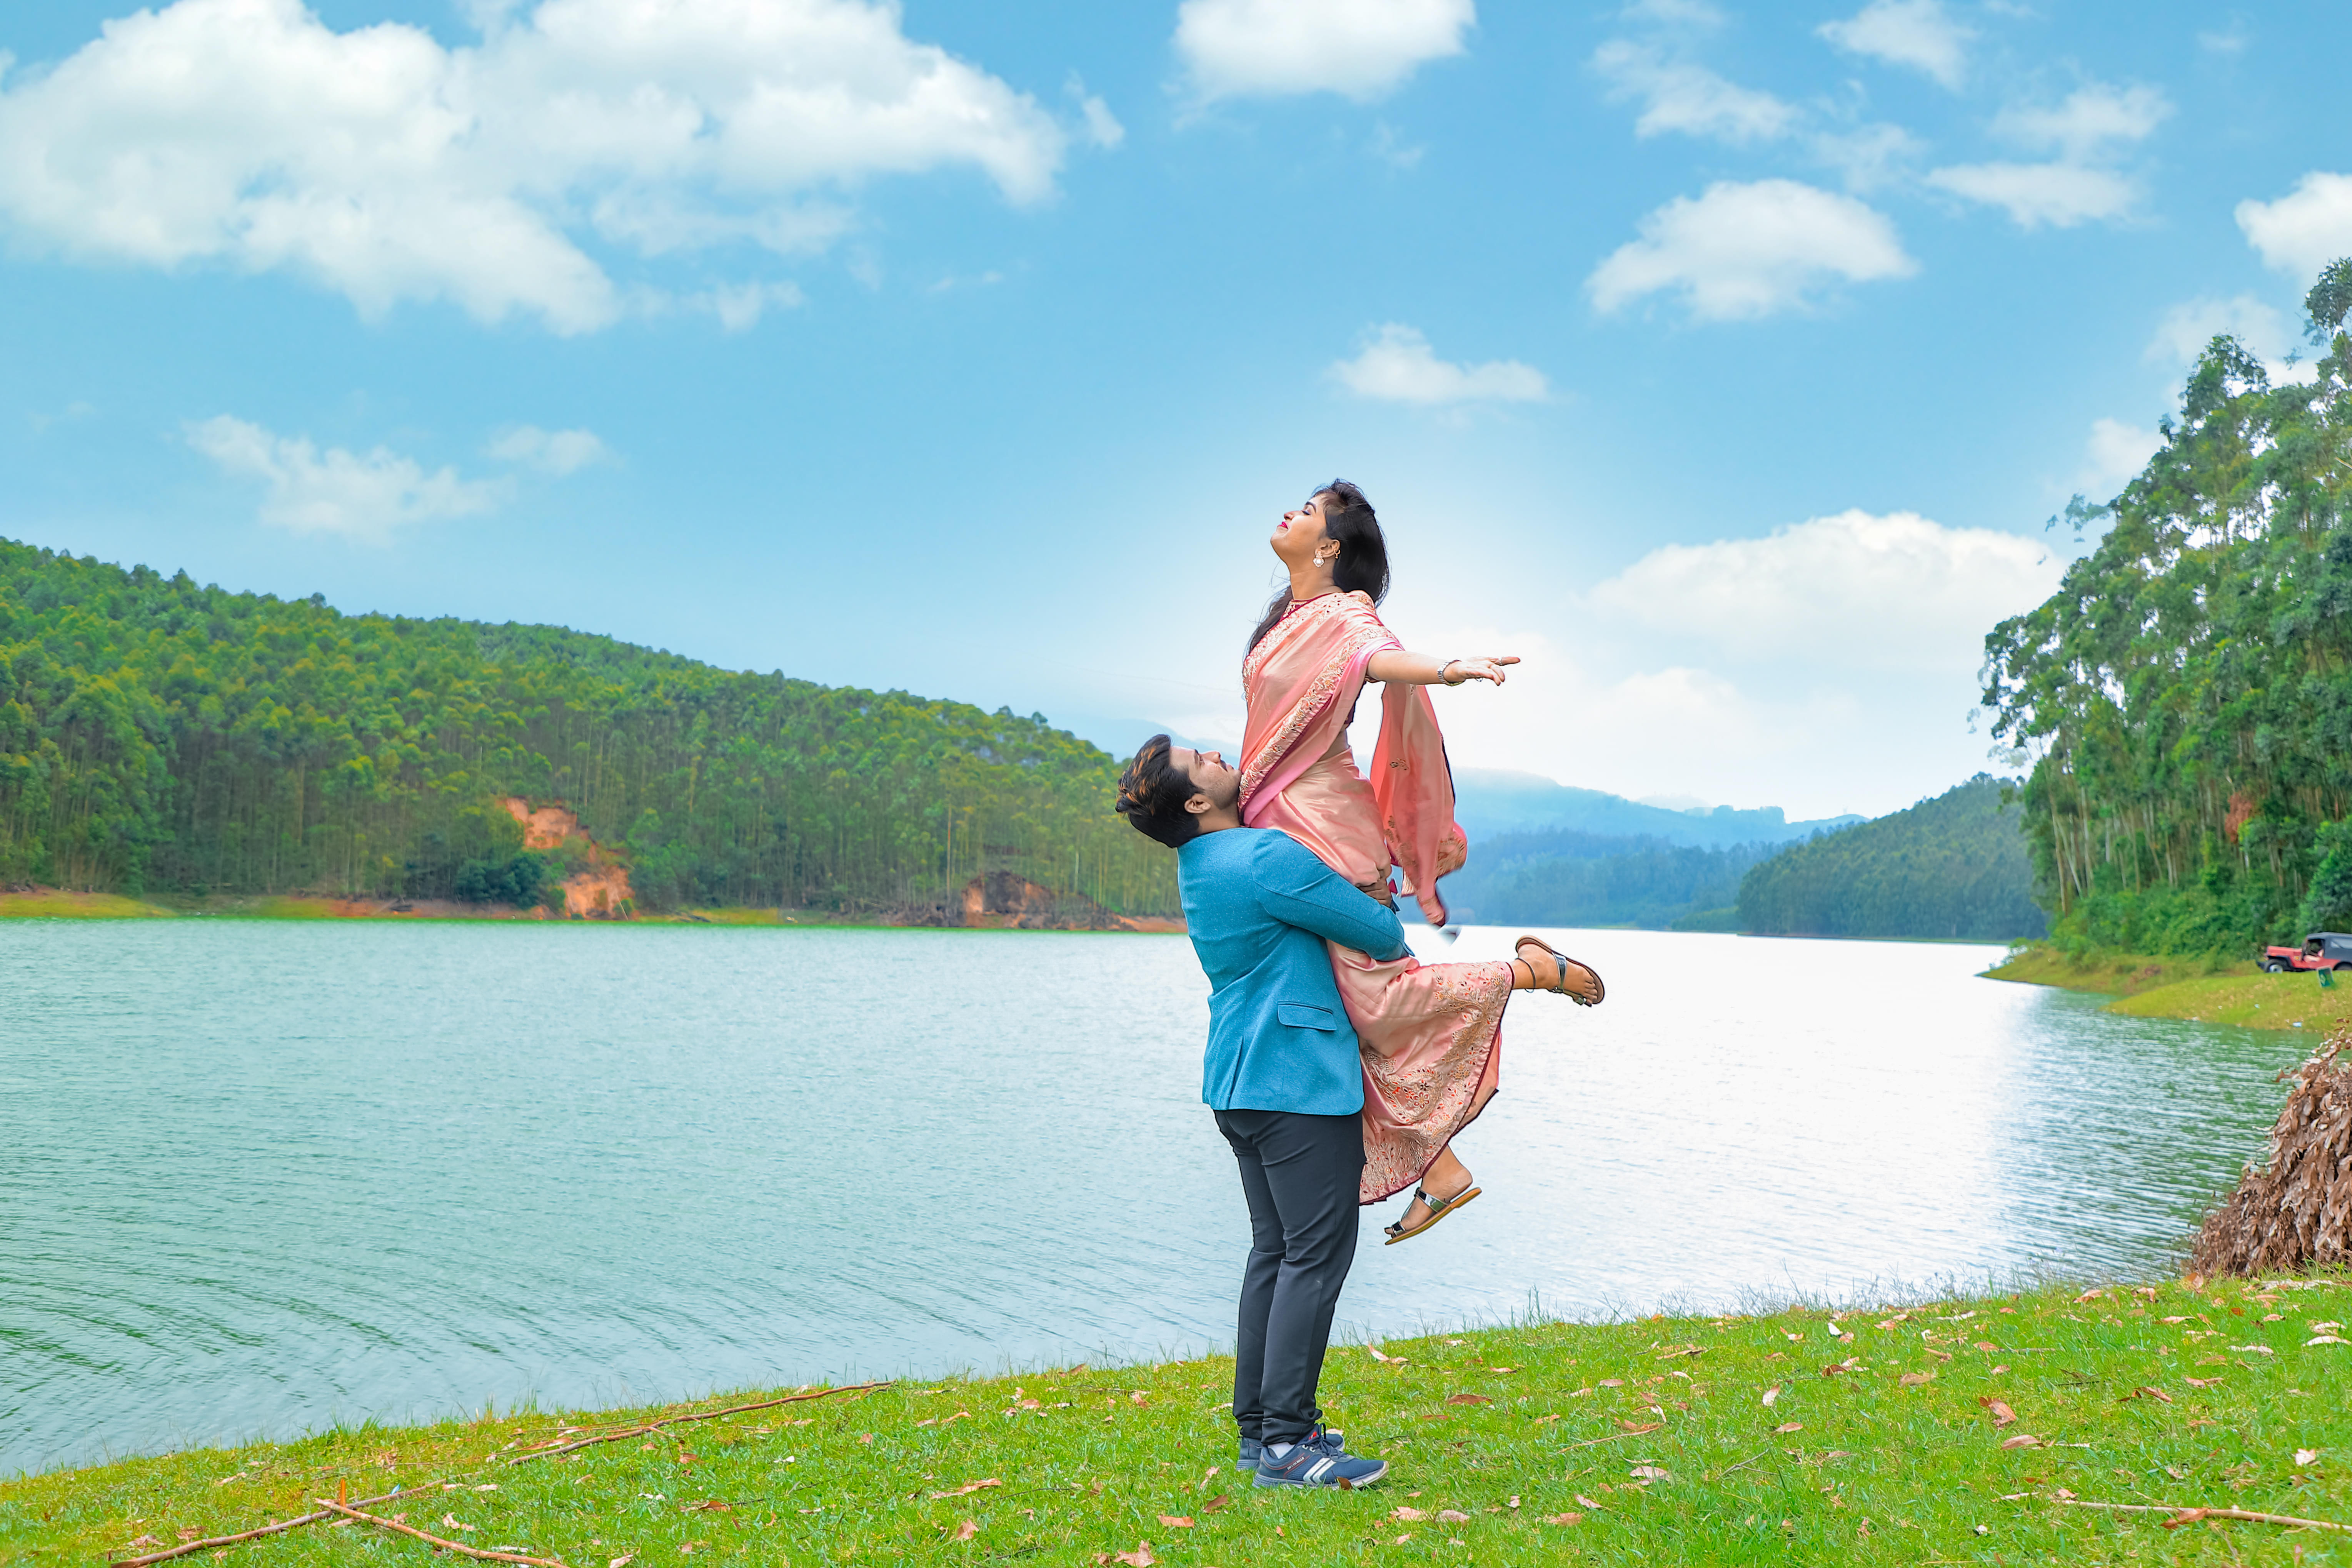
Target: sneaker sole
x: 1381, y: 1474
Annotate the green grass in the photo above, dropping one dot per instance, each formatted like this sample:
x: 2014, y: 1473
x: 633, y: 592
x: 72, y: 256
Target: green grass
x: 50, y: 904
x: 2249, y: 1001
x: 2110, y: 973
x: 1548, y: 1440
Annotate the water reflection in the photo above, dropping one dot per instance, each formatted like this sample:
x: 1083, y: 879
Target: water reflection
x: 265, y: 1177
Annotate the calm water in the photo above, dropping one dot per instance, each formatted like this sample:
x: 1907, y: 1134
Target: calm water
x: 255, y: 1178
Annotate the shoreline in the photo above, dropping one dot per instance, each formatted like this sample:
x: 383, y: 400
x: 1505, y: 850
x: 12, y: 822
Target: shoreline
x: 1931, y: 1427
x: 53, y: 904
x: 2142, y: 986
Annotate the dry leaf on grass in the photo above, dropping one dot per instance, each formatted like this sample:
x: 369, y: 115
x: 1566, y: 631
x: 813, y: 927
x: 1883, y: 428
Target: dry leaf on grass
x: 2023, y: 1440
x: 1636, y: 1428
x: 2003, y: 1415
x: 1139, y: 1558
x: 1570, y: 1517
x: 621, y: 1561
x: 965, y: 1531
x: 2146, y: 1393
x: 968, y: 1489
x: 1650, y: 1473
x: 2324, y: 1340
x: 1610, y: 1382
x: 1770, y: 1395
x: 1382, y: 1359
x: 1451, y: 1516
x: 1176, y: 1520
x: 1914, y: 1379
x: 1790, y: 1427
x: 1214, y: 1503
x: 1834, y: 1368
x: 1467, y: 1398
x: 2203, y: 1382
x: 2306, y: 1455
x: 1139, y: 1397
x: 1409, y: 1515
x: 1587, y: 1503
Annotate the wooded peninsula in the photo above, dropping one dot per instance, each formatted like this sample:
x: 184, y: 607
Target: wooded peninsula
x: 160, y: 736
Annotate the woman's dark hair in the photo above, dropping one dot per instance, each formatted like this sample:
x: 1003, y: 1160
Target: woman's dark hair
x: 1151, y: 797
x: 1349, y: 523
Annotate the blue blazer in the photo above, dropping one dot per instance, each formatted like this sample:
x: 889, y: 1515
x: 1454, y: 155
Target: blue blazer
x: 1258, y: 905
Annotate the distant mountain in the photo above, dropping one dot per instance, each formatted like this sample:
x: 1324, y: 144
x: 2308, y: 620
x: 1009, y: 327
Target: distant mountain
x: 1953, y: 867
x: 1489, y: 802
x: 1568, y: 879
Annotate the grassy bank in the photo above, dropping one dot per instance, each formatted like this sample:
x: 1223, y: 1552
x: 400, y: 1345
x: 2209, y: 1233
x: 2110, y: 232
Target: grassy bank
x: 1952, y: 1432
x: 2192, y: 988
x: 50, y: 903
x: 2110, y: 973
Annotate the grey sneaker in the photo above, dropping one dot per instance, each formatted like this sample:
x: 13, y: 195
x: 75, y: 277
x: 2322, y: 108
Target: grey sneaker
x: 1252, y: 1450
x: 1310, y: 1465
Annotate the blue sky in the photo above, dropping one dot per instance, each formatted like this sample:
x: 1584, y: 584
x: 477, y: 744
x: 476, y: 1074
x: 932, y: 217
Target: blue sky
x: 1723, y: 362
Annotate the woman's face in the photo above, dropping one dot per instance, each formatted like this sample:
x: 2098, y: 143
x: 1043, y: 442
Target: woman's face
x: 1299, y: 535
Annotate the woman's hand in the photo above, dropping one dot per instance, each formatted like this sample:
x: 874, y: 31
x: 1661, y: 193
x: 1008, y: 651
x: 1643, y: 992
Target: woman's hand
x: 1463, y: 670
x: 1419, y: 670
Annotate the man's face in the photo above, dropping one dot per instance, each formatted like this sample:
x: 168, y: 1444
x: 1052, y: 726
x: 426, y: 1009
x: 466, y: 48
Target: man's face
x: 1211, y: 775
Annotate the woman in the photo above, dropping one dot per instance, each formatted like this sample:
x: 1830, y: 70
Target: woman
x: 1431, y: 1033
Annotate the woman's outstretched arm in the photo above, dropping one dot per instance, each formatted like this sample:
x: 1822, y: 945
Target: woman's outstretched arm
x: 1409, y: 669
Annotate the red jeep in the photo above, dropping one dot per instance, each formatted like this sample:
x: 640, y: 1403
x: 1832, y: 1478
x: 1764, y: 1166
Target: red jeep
x: 2320, y: 950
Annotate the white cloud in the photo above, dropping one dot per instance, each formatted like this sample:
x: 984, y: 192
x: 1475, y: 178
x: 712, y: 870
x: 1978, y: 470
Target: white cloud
x: 739, y: 306
x: 2089, y: 126
x: 2115, y: 453
x: 1890, y: 593
x: 1869, y: 156
x: 1743, y: 251
x: 391, y: 168
x: 2303, y: 230
x: 2059, y: 195
x: 2189, y: 327
x: 2088, y: 121
x: 1360, y: 48
x: 1103, y: 127
x: 1397, y: 365
x: 556, y: 452
x: 362, y: 497
x: 1914, y: 33
x: 1678, y: 95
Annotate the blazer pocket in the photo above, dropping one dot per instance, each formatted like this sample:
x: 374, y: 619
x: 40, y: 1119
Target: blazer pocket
x: 1299, y: 1015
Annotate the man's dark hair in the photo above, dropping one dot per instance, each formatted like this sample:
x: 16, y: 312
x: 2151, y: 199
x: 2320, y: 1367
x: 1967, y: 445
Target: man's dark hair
x: 1152, y: 793
x: 1349, y: 523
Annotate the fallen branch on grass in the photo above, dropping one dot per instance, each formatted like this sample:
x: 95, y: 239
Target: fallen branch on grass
x: 352, y: 1512
x: 552, y: 1450
x: 282, y: 1525
x: 285, y: 1525
x: 2180, y: 1516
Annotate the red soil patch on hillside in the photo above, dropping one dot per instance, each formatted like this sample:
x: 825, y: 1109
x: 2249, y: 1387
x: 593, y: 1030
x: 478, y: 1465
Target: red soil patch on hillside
x: 599, y: 892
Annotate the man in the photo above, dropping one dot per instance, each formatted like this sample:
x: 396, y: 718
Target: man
x: 1283, y: 1077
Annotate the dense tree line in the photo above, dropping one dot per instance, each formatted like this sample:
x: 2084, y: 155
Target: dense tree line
x: 2186, y: 695
x: 1955, y: 867
x: 156, y: 734
x: 1566, y: 878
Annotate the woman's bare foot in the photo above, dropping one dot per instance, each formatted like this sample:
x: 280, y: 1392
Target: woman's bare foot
x: 1447, y: 1179
x: 1543, y: 970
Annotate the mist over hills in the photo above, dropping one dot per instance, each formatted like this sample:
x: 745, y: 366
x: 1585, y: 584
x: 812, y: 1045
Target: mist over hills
x: 1489, y: 802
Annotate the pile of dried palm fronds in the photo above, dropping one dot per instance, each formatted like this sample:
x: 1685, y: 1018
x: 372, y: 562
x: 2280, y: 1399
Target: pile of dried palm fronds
x: 2298, y: 1210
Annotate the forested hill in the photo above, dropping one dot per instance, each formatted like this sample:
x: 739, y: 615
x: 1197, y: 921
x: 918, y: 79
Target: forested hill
x: 2187, y: 693
x: 159, y: 735
x: 1952, y: 867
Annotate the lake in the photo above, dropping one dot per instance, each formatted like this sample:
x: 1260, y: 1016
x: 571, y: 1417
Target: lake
x: 262, y: 1177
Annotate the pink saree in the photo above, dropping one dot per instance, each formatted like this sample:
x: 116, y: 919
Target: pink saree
x: 1431, y: 1033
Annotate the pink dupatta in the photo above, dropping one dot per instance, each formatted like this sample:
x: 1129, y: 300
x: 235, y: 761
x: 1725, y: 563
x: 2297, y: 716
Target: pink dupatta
x: 1430, y: 1034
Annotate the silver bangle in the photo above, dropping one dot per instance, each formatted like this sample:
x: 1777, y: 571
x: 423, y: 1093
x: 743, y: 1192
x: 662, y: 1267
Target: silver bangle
x: 1449, y: 664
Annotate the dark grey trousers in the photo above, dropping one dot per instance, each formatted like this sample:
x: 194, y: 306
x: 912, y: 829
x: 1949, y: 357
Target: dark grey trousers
x: 1300, y: 1174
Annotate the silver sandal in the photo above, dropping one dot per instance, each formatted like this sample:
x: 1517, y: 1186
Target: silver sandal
x: 1561, y: 961
x: 1438, y: 1209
